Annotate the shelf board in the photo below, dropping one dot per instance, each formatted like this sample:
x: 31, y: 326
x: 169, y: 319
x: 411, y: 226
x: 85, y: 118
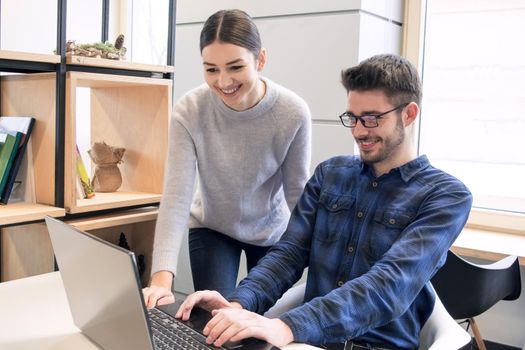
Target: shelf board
x: 116, y: 219
x: 26, y: 56
x: 96, y: 80
x: 112, y: 200
x: 25, y: 212
x: 84, y: 61
x: 115, y: 64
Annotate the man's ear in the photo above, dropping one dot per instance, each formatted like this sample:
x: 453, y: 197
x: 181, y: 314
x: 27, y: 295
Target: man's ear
x: 412, y: 110
x: 261, y: 59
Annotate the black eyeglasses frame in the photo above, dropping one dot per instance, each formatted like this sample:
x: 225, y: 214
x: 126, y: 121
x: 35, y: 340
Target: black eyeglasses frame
x: 371, y: 122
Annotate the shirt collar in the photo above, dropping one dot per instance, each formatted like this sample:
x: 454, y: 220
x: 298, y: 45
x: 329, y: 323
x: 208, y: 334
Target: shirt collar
x: 407, y: 171
x: 410, y: 169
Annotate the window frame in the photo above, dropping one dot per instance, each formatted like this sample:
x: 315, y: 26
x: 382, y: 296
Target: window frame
x: 412, y: 48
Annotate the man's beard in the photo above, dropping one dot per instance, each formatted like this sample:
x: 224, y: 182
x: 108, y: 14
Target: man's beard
x: 390, y: 145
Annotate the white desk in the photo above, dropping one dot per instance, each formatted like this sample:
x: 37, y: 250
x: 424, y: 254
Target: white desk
x: 34, y: 315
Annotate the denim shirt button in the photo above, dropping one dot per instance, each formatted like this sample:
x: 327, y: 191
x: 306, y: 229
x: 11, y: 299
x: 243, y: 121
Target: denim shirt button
x: 340, y: 283
x: 350, y: 249
x: 334, y: 206
x: 392, y: 221
x: 360, y: 214
x: 374, y: 184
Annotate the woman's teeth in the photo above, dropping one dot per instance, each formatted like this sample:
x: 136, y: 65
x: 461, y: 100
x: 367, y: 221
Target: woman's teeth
x: 230, y: 91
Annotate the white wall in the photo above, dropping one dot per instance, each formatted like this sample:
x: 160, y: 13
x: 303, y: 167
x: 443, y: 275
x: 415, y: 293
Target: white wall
x: 31, y: 25
x: 308, y: 44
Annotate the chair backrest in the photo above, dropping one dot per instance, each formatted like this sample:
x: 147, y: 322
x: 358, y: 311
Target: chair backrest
x: 468, y: 289
x: 441, y: 331
x: 289, y: 300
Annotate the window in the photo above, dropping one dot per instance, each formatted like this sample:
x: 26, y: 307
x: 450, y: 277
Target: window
x: 473, y: 110
x: 148, y: 30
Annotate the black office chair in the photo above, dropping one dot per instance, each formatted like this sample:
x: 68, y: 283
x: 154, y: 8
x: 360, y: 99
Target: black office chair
x: 467, y: 289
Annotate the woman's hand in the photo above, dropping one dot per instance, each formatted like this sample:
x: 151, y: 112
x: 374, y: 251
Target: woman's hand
x: 159, y: 291
x: 156, y: 295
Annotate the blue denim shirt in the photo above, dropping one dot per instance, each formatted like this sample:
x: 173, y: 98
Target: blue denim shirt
x: 370, y: 244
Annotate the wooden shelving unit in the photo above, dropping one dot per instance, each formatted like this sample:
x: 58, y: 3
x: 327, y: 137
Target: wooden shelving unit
x: 130, y: 112
x: 127, y: 111
x: 130, y: 104
x: 17, y: 99
x: 26, y: 249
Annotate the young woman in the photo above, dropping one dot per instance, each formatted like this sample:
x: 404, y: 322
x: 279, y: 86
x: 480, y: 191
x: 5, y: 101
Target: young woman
x: 243, y: 143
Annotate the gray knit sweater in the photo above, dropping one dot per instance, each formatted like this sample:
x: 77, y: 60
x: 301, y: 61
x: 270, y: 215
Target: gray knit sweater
x: 250, y: 168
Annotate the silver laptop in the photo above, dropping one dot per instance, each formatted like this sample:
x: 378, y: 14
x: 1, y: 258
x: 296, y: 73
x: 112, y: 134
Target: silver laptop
x: 102, y: 285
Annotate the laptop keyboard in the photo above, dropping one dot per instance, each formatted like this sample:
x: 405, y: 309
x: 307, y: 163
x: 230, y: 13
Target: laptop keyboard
x: 170, y: 333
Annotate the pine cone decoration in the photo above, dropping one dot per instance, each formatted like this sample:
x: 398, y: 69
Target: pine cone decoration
x: 119, y: 42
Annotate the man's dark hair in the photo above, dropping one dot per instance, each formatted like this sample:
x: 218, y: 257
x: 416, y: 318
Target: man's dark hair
x: 232, y: 27
x: 392, y: 74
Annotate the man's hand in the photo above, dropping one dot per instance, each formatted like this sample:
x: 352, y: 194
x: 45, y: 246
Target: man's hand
x: 159, y: 291
x: 205, y: 299
x: 232, y: 324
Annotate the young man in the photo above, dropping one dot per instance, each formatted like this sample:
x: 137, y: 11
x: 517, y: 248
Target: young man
x: 372, y: 231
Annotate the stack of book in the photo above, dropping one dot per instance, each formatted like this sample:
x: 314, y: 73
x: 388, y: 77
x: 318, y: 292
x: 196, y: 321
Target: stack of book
x: 14, y: 138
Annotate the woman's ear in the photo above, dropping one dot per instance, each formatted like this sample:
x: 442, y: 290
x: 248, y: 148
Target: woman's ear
x: 261, y: 59
x: 412, y: 110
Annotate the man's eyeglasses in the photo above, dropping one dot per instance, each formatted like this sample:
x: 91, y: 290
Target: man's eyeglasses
x: 349, y: 120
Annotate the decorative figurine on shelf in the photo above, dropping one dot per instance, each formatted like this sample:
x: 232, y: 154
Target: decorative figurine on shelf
x: 141, y: 264
x: 108, y: 50
x: 123, y: 242
x: 141, y: 259
x: 106, y: 176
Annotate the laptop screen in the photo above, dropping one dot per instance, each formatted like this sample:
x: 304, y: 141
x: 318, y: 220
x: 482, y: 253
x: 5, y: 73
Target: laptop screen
x: 102, y: 286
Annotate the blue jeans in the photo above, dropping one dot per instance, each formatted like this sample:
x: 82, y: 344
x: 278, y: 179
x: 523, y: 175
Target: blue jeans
x: 215, y: 258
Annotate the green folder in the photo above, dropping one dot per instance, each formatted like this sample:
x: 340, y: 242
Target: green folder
x: 8, y: 148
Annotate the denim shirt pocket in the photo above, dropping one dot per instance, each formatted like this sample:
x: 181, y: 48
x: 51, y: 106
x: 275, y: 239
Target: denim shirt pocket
x: 333, y: 216
x: 388, y: 225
